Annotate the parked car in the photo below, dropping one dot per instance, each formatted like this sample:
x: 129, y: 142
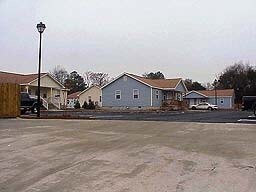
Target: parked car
x: 204, y: 106
x: 249, y: 103
x: 27, y: 103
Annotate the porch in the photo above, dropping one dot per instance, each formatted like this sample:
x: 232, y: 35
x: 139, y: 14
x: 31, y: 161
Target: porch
x: 51, y: 97
x: 173, y: 100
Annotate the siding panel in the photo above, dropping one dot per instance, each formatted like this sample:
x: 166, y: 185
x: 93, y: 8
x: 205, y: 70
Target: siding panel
x: 225, y: 105
x: 181, y: 87
x: 157, y: 102
x: 126, y: 85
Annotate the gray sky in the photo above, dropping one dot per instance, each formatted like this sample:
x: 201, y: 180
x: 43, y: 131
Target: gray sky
x: 182, y: 38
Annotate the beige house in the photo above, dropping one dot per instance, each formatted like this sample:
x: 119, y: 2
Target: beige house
x: 92, y: 93
x: 53, y: 93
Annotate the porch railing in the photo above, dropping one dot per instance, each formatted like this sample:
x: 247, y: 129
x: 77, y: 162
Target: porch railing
x: 55, y: 101
x: 44, y: 103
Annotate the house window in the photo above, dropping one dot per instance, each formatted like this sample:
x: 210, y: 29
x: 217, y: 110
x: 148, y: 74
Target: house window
x: 222, y: 101
x: 89, y: 98
x: 157, y: 94
x: 100, y: 98
x: 135, y: 94
x: 118, y: 94
x: 178, y: 96
x: 125, y: 78
x: 164, y: 96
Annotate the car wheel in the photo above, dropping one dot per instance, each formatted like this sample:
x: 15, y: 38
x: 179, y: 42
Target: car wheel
x: 210, y: 108
x: 193, y: 108
x: 34, y: 109
x: 22, y: 112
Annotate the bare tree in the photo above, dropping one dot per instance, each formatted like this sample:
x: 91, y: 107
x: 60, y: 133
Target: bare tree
x: 59, y: 73
x: 96, y: 78
x: 87, y: 78
x: 208, y: 86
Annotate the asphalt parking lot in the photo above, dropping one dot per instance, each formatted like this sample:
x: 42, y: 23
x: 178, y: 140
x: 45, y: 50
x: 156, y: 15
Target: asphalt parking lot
x: 171, y: 116
x: 121, y: 156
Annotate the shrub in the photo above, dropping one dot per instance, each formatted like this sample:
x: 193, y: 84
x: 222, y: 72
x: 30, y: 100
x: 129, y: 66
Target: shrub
x: 85, y: 105
x: 91, y: 105
x: 77, y: 105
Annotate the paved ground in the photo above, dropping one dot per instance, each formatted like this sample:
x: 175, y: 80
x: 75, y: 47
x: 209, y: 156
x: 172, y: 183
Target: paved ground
x: 122, y: 156
x: 173, y: 116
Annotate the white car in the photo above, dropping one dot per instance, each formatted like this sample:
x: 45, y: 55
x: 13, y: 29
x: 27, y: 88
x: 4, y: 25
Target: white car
x: 204, y: 106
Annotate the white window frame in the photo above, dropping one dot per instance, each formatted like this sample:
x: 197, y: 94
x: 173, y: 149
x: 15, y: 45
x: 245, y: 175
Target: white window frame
x: 137, y: 94
x: 157, y: 94
x: 118, y: 92
x: 178, y: 97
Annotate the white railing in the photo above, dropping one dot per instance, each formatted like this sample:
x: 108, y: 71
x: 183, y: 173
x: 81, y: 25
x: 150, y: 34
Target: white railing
x: 55, y: 101
x: 44, y: 103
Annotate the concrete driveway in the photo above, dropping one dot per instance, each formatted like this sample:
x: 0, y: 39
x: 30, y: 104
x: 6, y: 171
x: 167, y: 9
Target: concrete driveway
x: 122, y: 156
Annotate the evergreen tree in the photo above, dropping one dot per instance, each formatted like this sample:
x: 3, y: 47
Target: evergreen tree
x: 74, y: 82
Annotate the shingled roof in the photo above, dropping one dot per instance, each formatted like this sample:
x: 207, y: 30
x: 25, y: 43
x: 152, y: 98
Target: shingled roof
x: 6, y: 77
x: 159, y: 83
x: 74, y: 95
x: 221, y: 93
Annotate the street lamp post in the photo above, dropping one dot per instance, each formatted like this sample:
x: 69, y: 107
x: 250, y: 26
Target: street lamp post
x: 40, y: 27
x: 215, y: 89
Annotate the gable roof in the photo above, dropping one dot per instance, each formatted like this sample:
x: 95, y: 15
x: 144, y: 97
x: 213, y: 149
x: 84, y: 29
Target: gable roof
x: 6, y: 77
x: 154, y: 83
x: 74, y: 95
x: 81, y: 92
x: 196, y: 92
x: 211, y: 93
x: 160, y: 83
x: 220, y: 92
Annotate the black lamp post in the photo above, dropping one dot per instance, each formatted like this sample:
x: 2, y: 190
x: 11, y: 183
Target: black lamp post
x: 215, y: 89
x: 40, y: 27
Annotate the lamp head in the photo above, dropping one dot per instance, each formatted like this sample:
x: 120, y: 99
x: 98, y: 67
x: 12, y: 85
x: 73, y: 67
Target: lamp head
x: 40, y: 27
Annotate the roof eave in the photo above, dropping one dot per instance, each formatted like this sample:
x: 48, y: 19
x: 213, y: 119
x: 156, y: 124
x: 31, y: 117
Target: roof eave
x: 186, y: 90
x: 87, y: 89
x: 50, y: 77
x: 196, y: 93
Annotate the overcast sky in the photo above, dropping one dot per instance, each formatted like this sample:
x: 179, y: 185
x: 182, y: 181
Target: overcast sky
x: 182, y: 38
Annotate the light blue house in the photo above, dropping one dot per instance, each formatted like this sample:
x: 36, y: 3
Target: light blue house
x: 129, y: 91
x: 223, y: 98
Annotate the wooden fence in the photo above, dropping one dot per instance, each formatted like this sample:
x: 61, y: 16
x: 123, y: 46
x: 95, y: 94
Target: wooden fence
x: 9, y: 100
